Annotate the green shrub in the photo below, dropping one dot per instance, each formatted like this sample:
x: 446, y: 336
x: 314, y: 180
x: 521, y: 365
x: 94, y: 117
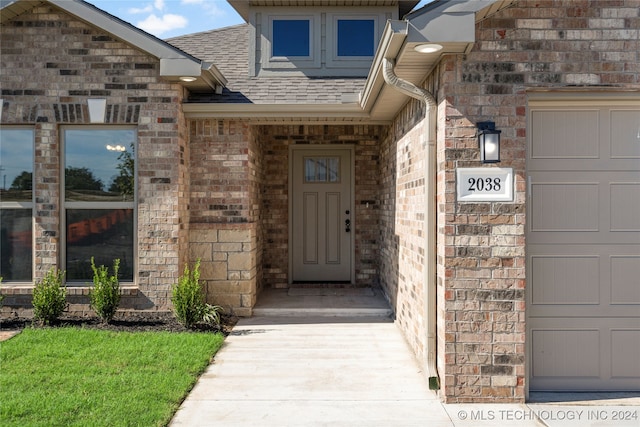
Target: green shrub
x: 211, y: 314
x: 105, y: 295
x: 49, y: 297
x: 188, y: 301
x: 1, y: 296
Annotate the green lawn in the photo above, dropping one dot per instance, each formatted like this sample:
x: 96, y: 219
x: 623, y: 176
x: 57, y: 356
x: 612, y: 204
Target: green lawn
x: 84, y: 377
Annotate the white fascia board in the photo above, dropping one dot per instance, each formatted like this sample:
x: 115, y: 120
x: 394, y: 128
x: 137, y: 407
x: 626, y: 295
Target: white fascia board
x: 393, y: 37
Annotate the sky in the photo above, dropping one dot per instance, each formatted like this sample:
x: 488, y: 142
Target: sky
x: 171, y: 18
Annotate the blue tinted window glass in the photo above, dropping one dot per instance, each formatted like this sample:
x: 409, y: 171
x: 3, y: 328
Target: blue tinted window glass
x: 16, y: 184
x: 355, y: 37
x: 99, y: 165
x: 16, y: 165
x: 290, y: 37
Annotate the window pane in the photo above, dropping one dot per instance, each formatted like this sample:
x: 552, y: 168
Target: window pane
x: 16, y: 165
x: 102, y: 234
x: 290, y: 37
x: 322, y: 169
x: 334, y: 169
x: 99, y: 165
x: 309, y: 170
x: 356, y: 37
x: 16, y: 243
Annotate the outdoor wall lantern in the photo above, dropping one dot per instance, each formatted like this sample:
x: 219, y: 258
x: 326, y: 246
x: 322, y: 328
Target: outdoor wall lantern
x: 489, y: 142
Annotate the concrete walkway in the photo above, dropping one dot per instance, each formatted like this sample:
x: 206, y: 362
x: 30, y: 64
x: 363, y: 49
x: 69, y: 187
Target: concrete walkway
x: 281, y: 368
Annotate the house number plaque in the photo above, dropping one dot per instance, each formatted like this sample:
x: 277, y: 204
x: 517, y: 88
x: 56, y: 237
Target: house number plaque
x: 484, y: 184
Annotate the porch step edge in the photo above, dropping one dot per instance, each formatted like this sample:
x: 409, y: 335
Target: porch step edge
x: 328, y: 312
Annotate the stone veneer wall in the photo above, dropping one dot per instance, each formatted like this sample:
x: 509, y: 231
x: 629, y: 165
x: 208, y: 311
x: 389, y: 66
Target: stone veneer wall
x: 275, y: 142
x: 51, y: 63
x: 225, y: 228
x: 481, y: 246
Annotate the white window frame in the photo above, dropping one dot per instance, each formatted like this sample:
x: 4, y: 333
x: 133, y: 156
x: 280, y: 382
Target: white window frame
x: 282, y: 62
x: 335, y: 61
x: 133, y: 205
x: 25, y: 205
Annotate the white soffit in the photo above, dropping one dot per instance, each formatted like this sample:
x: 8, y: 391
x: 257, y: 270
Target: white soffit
x: 450, y: 23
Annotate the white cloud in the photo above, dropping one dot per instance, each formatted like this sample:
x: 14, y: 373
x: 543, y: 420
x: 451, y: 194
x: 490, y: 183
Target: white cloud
x: 136, y: 10
x: 159, y: 25
x: 157, y: 4
x: 208, y: 7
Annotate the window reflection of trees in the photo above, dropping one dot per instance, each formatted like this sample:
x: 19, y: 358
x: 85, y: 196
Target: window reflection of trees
x: 81, y: 184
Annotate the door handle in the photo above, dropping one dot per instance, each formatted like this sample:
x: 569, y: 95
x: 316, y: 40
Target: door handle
x: 347, y: 225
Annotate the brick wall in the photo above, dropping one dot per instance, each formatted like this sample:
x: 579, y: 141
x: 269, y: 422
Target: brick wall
x: 402, y: 222
x: 481, y: 246
x: 50, y: 65
x: 226, y: 177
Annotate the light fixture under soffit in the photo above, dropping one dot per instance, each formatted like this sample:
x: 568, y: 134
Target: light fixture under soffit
x: 187, y: 79
x: 428, y: 48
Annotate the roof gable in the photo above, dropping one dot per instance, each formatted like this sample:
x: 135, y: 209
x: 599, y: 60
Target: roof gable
x: 174, y: 63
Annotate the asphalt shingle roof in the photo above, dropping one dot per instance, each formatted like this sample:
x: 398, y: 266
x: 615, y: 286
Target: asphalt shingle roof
x: 228, y: 49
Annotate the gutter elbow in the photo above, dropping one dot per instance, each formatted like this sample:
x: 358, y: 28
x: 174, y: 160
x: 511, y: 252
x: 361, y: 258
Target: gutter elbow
x: 404, y: 86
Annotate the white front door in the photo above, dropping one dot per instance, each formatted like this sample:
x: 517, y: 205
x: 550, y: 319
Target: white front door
x: 321, y: 214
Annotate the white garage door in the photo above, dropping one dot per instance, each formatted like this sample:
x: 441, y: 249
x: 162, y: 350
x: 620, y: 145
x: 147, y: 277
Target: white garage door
x: 583, y: 244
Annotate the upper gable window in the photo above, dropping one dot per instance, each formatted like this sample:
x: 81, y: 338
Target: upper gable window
x: 290, y: 41
x: 352, y: 39
x: 316, y: 42
x: 356, y: 37
x: 290, y: 37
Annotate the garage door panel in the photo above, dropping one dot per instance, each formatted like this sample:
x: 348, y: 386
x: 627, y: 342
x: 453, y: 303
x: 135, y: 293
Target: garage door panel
x: 625, y: 206
x: 566, y: 353
x: 578, y: 354
x: 623, y: 343
x: 625, y: 134
x: 565, y: 206
x: 587, y: 207
x: 625, y: 280
x: 583, y: 280
x: 565, y: 134
x: 565, y: 280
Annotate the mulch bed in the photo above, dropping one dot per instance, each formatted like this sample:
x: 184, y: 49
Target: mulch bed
x: 129, y: 322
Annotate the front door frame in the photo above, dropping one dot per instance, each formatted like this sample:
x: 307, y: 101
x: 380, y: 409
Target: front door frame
x: 329, y: 148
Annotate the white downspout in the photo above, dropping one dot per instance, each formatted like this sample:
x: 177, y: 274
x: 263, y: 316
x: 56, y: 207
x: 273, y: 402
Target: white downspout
x: 430, y: 305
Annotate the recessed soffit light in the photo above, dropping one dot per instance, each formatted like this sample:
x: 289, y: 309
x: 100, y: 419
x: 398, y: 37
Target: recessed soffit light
x: 428, y: 48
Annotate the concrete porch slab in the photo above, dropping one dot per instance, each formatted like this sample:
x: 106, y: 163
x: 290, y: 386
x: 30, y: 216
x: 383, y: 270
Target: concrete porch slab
x: 333, y: 302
